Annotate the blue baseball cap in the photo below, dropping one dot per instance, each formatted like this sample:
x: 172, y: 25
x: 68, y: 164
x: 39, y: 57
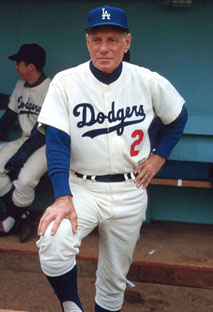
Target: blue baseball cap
x: 107, y: 15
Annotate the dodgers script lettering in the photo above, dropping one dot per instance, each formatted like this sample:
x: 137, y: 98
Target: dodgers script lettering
x: 89, y: 118
x: 28, y: 108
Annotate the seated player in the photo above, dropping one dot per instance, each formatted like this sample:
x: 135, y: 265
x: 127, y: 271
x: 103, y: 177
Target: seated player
x: 23, y: 161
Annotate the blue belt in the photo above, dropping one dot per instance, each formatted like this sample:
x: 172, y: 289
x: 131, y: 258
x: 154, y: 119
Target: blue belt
x: 106, y: 178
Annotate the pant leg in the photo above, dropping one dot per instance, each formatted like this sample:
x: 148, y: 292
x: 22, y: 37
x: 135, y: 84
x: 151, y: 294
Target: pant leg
x: 6, y: 152
x: 58, y: 253
x: 118, y: 237
x: 64, y: 241
x: 29, y: 177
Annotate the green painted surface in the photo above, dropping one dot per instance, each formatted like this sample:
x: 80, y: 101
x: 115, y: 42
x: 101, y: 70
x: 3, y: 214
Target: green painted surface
x: 177, y: 43
x: 180, y: 204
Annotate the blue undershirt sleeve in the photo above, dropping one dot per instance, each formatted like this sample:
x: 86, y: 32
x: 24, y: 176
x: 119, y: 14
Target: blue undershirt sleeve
x: 58, y: 160
x: 164, y: 137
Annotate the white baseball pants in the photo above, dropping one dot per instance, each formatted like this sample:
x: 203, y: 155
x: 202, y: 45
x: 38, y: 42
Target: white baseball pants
x: 118, y: 209
x: 29, y: 176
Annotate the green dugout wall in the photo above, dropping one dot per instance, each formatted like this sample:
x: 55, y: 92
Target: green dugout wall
x: 175, y: 42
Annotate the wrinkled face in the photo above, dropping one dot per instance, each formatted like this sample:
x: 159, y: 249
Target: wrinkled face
x: 107, y: 45
x: 24, y: 71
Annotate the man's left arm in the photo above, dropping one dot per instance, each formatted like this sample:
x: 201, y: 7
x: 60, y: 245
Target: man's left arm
x: 169, y: 135
x: 16, y: 162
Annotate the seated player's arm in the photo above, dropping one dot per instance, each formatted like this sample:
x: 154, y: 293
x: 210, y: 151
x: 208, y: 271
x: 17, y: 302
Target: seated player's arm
x: 16, y: 162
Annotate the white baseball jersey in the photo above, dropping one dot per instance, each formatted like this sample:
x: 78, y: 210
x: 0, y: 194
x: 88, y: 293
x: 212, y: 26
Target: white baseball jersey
x: 108, y: 124
x: 27, y: 103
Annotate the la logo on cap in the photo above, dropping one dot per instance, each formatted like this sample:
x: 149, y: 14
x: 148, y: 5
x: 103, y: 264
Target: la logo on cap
x: 105, y: 14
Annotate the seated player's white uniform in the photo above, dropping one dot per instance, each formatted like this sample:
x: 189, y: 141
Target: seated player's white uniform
x: 27, y: 103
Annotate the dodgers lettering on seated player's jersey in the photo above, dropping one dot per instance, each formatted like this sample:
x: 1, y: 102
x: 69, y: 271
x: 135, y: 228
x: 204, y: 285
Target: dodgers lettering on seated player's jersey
x: 27, y: 108
x: 27, y: 103
x: 108, y: 124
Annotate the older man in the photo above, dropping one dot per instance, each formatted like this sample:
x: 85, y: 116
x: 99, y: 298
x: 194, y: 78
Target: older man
x: 96, y: 117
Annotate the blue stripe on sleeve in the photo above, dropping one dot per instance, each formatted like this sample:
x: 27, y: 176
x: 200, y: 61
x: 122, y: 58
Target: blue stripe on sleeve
x: 58, y: 160
x: 164, y: 137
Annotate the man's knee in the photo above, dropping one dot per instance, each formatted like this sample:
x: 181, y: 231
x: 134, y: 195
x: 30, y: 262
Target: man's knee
x: 57, y: 252
x: 60, y: 239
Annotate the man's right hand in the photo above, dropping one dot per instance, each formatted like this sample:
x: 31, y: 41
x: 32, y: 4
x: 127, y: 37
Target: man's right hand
x: 62, y: 208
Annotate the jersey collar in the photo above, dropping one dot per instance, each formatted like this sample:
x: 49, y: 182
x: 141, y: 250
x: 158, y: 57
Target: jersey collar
x: 106, y: 78
x: 38, y: 82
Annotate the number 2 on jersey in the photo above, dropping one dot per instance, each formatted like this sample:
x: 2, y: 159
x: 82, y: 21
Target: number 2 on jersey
x: 138, y: 134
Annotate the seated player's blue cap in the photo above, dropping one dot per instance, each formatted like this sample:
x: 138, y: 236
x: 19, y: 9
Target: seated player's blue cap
x: 107, y: 15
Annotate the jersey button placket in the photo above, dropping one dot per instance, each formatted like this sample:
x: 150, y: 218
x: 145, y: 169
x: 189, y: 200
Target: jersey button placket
x: 108, y: 106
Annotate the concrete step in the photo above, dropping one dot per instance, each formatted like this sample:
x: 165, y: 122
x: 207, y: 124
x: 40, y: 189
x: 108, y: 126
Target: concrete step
x: 168, y: 253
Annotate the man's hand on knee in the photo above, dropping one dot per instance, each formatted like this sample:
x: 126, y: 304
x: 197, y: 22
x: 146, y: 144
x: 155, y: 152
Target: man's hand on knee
x: 61, y: 209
